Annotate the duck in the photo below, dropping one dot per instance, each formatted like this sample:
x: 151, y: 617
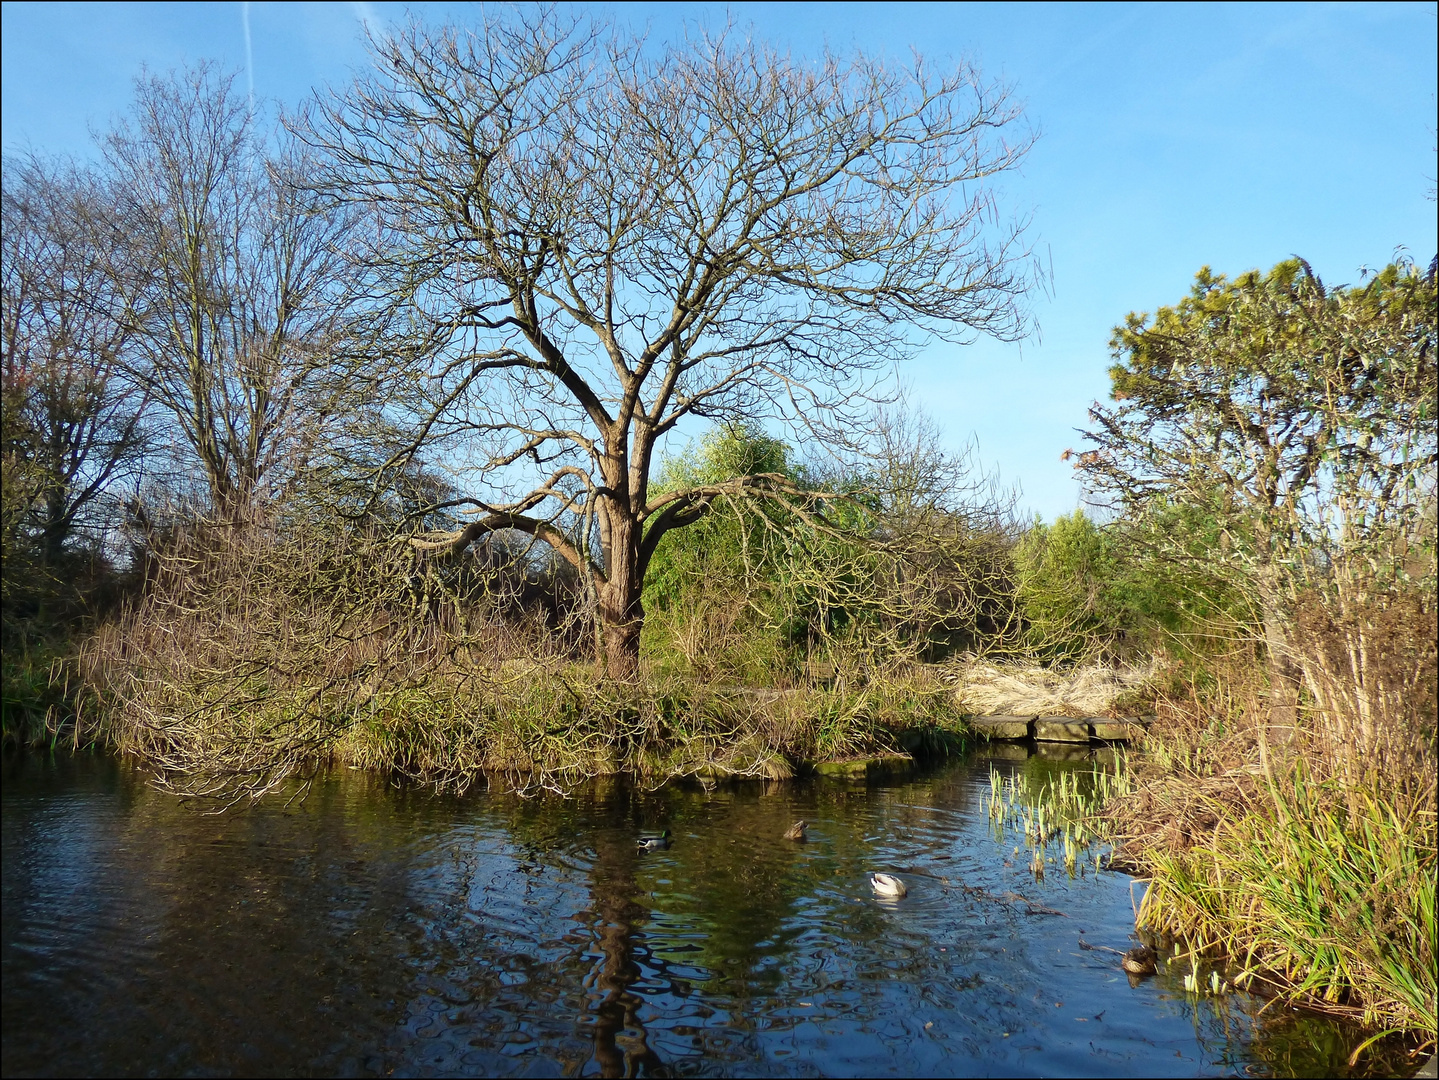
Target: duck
x: 887, y: 885
x: 796, y: 831
x: 1139, y: 961
x: 654, y: 841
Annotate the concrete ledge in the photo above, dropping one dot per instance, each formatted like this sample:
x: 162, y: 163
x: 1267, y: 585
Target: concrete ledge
x: 1116, y: 730
x: 1001, y: 727
x: 860, y: 768
x: 1068, y: 729
x: 1061, y: 729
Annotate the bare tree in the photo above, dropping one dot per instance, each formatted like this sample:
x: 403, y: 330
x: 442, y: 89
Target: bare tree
x: 74, y: 422
x: 237, y: 282
x: 596, y: 239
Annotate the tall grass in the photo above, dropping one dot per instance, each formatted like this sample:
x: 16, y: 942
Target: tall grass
x: 1321, y: 890
x: 1308, y: 862
x: 37, y: 705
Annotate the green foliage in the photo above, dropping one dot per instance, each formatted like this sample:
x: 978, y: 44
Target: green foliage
x: 1272, y: 444
x: 1087, y: 589
x: 726, y: 547
x: 753, y: 586
x: 906, y: 558
x: 1067, y: 576
x: 48, y: 601
x: 709, y: 585
x: 1301, y: 417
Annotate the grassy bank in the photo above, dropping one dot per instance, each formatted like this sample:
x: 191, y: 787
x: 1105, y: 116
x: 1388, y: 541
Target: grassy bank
x: 1324, y: 893
x: 559, y: 727
x: 476, y: 709
x: 1307, y: 868
x: 35, y: 704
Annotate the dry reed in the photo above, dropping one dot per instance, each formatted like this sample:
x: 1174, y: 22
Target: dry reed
x: 1308, y: 856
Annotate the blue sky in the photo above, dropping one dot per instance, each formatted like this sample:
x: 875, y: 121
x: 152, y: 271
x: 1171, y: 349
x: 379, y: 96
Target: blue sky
x: 1171, y: 137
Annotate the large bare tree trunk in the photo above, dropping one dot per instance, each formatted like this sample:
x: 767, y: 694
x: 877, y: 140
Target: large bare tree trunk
x: 719, y: 233
x: 622, y: 613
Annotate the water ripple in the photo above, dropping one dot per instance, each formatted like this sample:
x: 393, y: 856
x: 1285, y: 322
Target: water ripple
x: 371, y: 929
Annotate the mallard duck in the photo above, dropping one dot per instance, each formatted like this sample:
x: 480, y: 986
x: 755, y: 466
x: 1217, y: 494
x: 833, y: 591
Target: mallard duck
x: 887, y: 885
x: 1139, y: 961
x: 796, y: 831
x: 655, y: 841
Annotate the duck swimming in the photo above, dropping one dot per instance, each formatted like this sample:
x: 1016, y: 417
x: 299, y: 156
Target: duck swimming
x: 1139, y: 961
x: 887, y: 885
x: 654, y: 841
x: 796, y: 831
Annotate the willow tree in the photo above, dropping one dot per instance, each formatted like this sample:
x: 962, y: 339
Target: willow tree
x: 595, y: 238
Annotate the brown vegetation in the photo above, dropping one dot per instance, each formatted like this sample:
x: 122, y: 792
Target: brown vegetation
x: 1305, y: 855
x: 254, y: 658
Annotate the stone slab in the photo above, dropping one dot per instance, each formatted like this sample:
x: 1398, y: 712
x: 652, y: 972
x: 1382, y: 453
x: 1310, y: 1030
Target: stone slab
x: 1061, y: 729
x: 1001, y: 727
x: 1116, y: 730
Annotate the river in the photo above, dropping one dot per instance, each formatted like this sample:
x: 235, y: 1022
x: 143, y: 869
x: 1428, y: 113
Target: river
x: 378, y: 928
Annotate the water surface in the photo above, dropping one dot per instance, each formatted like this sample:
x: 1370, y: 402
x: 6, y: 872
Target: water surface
x: 381, y: 929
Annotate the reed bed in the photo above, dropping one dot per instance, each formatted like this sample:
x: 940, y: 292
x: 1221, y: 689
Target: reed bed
x: 1061, y: 813
x: 1303, y: 859
x: 1324, y: 893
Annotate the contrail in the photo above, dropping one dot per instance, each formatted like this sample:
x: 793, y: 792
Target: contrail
x: 249, y: 51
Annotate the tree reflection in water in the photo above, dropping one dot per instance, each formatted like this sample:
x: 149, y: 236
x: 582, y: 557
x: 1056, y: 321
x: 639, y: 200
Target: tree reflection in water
x: 613, y: 889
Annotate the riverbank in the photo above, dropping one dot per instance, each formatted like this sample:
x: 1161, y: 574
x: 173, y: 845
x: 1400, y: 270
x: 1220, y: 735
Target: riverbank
x: 520, y: 723
x: 536, y: 723
x: 1309, y: 877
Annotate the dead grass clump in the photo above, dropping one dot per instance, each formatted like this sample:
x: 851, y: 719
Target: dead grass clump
x: 1204, y: 757
x: 1018, y: 689
x: 250, y: 655
x: 1371, y: 669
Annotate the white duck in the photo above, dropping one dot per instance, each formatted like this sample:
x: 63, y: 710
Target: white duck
x: 887, y: 885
